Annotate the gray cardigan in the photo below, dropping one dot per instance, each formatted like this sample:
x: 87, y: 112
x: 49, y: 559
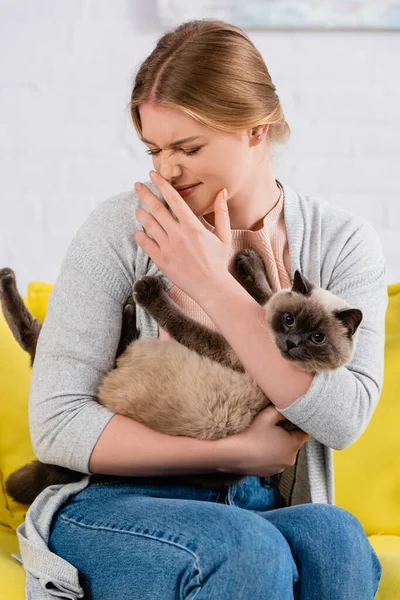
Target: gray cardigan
x: 333, y: 248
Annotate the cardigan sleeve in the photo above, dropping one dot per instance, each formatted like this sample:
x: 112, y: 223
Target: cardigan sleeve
x: 78, y: 342
x: 339, y: 404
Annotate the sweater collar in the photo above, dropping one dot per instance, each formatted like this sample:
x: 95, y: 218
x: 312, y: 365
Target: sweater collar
x: 270, y: 220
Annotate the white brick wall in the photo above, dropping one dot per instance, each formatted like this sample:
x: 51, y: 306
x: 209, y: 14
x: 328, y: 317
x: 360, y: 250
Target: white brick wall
x: 66, y: 142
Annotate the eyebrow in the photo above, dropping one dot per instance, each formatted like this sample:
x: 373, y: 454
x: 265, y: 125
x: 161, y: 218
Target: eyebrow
x: 188, y: 139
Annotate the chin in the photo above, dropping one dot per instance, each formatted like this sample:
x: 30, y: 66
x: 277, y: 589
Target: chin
x: 198, y: 210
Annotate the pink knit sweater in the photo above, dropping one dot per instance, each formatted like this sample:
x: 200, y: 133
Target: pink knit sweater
x: 270, y: 241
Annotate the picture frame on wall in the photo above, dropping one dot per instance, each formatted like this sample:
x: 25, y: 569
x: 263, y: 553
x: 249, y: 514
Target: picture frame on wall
x: 287, y: 14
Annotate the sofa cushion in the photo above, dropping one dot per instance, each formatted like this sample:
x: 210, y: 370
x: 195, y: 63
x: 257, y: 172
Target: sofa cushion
x: 367, y: 474
x: 15, y: 373
x: 12, y: 574
x: 387, y: 548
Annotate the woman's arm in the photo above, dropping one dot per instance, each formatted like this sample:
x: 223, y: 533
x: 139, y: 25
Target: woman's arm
x: 127, y: 447
x: 77, y: 346
x: 334, y: 407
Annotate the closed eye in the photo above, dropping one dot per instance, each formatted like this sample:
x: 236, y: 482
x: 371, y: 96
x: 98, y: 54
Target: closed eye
x: 191, y: 152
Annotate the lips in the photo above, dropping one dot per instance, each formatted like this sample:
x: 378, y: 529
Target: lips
x: 186, y: 187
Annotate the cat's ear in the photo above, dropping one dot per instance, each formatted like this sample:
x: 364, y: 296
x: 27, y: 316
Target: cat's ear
x: 301, y: 284
x: 350, y: 317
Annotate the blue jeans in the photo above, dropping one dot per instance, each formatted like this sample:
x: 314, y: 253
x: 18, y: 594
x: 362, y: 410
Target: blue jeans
x: 135, y: 538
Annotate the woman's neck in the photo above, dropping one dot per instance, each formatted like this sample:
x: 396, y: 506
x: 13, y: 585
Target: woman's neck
x: 248, y: 208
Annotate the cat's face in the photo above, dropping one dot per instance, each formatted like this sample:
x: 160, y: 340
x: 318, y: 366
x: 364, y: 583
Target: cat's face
x: 312, y: 326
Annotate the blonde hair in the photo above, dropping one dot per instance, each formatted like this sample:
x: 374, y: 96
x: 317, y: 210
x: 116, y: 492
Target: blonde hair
x: 211, y: 71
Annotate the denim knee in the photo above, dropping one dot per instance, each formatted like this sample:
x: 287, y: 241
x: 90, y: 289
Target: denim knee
x: 325, y: 530
x: 353, y: 538
x: 255, y: 547
x: 334, y: 556
x: 340, y: 531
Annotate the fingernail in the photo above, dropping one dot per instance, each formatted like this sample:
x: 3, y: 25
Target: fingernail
x: 225, y: 194
x: 138, y: 186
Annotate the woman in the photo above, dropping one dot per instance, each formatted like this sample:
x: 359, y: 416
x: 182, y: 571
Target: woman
x: 128, y: 529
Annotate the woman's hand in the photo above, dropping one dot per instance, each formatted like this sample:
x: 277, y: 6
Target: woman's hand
x: 264, y: 449
x: 185, y: 251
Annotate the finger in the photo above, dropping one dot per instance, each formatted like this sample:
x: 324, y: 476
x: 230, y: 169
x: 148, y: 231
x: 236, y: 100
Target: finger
x: 174, y: 200
x: 273, y: 415
x: 300, y: 436
x: 156, y: 208
x: 151, y: 225
x: 276, y: 415
x: 222, y: 220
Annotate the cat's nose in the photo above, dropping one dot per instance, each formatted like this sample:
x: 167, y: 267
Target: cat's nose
x: 290, y: 345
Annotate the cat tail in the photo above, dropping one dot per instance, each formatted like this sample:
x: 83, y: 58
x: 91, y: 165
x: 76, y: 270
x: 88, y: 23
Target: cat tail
x: 24, y: 327
x: 25, y: 484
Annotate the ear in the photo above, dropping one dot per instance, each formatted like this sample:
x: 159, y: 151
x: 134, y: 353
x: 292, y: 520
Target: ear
x: 301, y: 284
x: 351, y: 318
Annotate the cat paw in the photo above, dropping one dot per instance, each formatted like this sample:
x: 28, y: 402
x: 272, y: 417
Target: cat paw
x: 147, y: 289
x: 129, y: 309
x: 247, y: 263
x: 7, y: 279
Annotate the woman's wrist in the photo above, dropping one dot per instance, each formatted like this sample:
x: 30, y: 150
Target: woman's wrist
x: 215, y: 290
x: 228, y: 454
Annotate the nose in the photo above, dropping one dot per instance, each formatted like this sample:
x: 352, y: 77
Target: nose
x: 169, y: 169
x: 290, y: 345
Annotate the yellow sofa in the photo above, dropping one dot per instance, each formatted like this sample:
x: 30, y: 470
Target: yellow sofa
x: 367, y: 473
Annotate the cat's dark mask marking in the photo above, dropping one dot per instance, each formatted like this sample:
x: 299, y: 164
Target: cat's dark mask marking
x: 311, y: 327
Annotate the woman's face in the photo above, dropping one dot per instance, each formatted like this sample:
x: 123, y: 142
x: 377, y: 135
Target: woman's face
x: 219, y: 160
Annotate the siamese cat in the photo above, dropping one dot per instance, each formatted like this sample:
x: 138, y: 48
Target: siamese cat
x: 193, y: 384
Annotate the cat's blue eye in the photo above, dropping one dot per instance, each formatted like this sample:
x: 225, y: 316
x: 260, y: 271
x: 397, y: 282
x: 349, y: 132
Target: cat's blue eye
x: 190, y: 153
x: 288, y: 319
x: 318, y: 337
